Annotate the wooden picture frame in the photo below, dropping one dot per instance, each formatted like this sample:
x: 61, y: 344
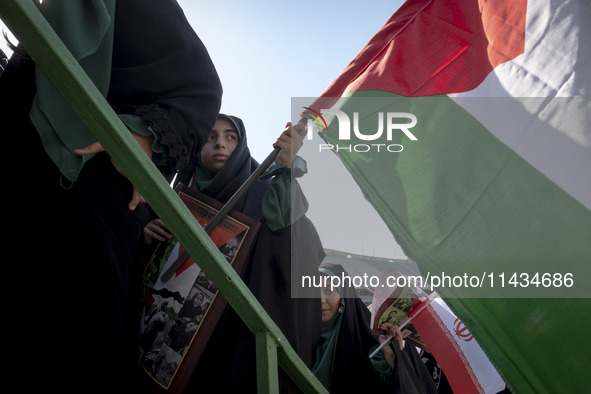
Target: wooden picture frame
x: 179, y: 315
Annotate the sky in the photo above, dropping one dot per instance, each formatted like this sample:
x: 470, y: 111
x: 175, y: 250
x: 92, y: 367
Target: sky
x: 268, y: 52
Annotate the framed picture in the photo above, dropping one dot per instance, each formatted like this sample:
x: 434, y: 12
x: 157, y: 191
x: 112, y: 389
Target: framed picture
x: 180, y: 314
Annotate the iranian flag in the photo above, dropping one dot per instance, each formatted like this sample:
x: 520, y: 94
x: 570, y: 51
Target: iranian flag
x: 464, y: 363
x: 467, y: 126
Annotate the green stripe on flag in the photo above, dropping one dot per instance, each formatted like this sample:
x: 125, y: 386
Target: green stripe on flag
x: 460, y: 202
x: 538, y: 345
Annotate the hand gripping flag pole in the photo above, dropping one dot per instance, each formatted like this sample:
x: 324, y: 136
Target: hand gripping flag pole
x: 407, y: 320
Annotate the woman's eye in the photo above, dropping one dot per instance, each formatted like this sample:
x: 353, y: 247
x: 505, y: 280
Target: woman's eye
x: 328, y: 293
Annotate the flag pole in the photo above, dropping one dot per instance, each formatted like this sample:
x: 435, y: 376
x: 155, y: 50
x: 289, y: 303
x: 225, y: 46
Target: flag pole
x: 405, y: 322
x: 227, y: 207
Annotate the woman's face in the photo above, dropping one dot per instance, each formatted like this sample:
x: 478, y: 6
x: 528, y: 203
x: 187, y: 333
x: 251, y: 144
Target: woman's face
x: 330, y: 299
x: 220, y: 145
x: 198, y: 299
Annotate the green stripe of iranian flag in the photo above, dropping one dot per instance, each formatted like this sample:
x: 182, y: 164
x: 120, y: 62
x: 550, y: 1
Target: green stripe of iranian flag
x: 497, y: 185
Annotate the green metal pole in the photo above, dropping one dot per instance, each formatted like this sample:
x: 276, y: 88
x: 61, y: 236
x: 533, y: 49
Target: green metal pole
x: 267, y: 372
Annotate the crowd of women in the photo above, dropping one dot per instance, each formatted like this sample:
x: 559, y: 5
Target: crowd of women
x: 75, y: 296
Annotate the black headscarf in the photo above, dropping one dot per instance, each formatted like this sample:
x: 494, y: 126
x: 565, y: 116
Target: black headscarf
x: 352, y: 370
x: 165, y: 76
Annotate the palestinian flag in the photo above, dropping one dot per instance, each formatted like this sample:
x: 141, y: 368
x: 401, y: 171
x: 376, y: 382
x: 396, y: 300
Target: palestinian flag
x: 466, y: 125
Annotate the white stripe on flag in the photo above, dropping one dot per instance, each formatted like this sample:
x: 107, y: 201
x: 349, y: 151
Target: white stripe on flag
x: 546, y: 91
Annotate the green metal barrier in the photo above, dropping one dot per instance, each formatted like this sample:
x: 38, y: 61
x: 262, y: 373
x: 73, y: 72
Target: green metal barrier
x: 49, y: 53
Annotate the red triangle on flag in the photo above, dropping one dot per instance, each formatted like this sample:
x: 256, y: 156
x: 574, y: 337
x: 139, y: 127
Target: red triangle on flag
x: 218, y: 235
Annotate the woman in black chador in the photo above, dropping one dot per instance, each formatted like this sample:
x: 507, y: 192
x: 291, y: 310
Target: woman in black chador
x: 286, y: 247
x: 70, y: 205
x: 342, y: 362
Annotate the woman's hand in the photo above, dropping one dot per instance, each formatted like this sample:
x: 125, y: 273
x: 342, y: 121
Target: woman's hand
x: 394, y: 331
x: 156, y: 230
x: 290, y: 142
x: 145, y: 142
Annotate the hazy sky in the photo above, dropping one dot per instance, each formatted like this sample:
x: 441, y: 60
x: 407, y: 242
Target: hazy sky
x: 267, y: 52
